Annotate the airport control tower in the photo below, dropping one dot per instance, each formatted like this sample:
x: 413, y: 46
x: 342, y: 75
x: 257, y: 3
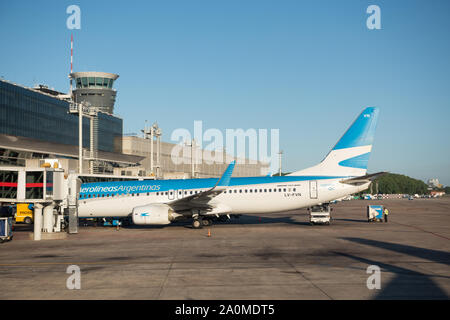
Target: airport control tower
x: 95, y: 88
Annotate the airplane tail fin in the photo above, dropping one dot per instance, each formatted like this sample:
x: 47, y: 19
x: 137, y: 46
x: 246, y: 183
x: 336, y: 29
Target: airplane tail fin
x: 350, y: 155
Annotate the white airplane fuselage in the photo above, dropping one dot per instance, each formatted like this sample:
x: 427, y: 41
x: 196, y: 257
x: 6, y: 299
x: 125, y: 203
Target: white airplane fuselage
x: 342, y: 172
x: 246, y: 198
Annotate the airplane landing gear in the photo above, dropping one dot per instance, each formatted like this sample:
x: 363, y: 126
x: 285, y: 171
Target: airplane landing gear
x: 206, y: 222
x: 197, y: 223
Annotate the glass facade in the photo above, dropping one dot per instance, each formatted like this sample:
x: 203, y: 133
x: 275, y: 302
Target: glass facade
x: 27, y: 113
x: 108, y: 129
x: 94, y: 82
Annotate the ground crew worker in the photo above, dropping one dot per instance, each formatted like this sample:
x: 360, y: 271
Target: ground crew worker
x: 386, y: 213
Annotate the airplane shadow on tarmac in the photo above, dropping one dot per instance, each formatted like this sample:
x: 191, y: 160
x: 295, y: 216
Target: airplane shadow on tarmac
x: 351, y: 220
x: 406, y: 283
x: 242, y: 220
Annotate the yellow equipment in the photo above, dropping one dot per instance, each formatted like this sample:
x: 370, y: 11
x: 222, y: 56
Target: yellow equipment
x: 24, y: 213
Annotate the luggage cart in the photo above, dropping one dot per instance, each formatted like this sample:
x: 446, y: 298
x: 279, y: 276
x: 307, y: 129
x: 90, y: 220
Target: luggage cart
x: 6, y: 229
x: 375, y: 213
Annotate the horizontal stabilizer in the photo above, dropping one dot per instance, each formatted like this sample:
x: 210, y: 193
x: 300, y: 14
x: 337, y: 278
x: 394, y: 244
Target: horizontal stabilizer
x: 363, y: 179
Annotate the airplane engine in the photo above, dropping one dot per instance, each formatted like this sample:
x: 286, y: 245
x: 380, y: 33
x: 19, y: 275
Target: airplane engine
x: 156, y: 213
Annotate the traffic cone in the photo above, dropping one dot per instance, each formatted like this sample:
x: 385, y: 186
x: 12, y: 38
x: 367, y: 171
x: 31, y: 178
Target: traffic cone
x: 209, y: 232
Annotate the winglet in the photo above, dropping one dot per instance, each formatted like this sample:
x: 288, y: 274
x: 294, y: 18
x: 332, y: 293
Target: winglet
x: 226, y: 176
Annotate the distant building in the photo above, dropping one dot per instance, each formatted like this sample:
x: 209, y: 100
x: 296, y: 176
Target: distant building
x: 436, y: 193
x: 179, y: 166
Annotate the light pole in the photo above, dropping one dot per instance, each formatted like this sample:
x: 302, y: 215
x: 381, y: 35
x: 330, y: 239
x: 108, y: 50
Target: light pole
x: 280, y: 153
x: 80, y: 138
x: 152, y: 132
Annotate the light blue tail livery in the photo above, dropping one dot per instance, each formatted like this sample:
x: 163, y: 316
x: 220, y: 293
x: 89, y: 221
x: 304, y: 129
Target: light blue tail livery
x: 361, y: 132
x: 360, y: 161
x: 350, y: 155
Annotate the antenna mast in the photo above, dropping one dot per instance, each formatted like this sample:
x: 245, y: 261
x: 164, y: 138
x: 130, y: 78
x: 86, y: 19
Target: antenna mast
x: 71, y: 61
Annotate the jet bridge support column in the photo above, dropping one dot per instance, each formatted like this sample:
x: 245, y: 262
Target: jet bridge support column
x: 48, y: 220
x: 72, y: 201
x: 37, y: 222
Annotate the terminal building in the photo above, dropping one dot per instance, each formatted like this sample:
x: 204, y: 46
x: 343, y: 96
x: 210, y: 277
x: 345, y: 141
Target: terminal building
x: 186, y: 163
x: 40, y: 125
x: 36, y: 123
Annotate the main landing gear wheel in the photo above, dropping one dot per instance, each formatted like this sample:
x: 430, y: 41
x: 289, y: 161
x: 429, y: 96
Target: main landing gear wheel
x: 206, y: 222
x: 197, y: 224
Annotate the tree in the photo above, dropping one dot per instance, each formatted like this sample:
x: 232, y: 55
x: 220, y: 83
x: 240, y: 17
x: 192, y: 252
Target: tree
x: 398, y: 183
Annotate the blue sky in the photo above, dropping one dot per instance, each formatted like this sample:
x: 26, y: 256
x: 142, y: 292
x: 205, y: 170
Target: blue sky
x: 306, y: 68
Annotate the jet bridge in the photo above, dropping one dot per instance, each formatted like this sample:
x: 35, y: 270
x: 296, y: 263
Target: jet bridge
x: 48, y: 189
x: 53, y: 194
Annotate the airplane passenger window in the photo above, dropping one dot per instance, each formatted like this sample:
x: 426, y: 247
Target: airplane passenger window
x: 284, y: 189
x: 270, y: 190
x: 245, y: 190
x: 251, y: 190
x: 148, y: 193
x: 279, y: 190
x: 294, y: 189
x: 265, y: 190
x: 240, y: 191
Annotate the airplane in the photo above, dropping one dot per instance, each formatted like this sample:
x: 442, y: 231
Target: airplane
x: 159, y: 202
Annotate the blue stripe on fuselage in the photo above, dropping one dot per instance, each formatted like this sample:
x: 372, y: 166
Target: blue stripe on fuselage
x: 144, y: 186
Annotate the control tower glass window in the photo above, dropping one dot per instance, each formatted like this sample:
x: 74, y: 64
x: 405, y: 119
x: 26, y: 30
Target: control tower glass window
x: 94, y: 82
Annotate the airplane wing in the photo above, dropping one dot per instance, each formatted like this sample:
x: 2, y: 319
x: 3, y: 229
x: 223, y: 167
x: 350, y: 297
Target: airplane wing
x: 363, y: 179
x: 201, y: 200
